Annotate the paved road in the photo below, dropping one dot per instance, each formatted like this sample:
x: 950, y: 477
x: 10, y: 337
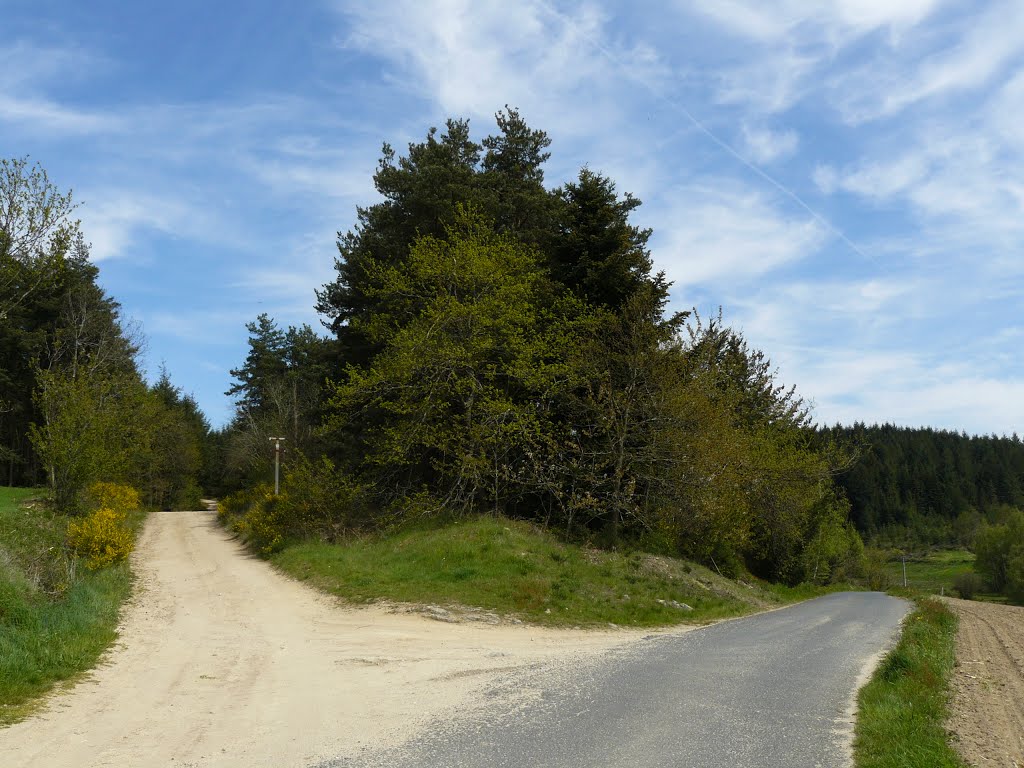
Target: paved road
x: 772, y: 690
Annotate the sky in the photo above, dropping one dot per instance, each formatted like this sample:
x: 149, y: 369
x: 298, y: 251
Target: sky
x: 843, y: 178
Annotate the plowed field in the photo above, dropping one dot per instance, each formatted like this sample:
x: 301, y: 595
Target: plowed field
x: 987, y: 712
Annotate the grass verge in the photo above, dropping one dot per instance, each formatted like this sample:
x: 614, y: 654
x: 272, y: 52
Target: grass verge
x: 903, y: 709
x: 56, y: 618
x: 518, y: 570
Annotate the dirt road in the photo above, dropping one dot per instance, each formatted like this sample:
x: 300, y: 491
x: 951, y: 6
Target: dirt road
x: 987, y: 713
x: 223, y: 662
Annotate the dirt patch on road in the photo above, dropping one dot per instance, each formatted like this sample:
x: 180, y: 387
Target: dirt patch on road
x: 987, y: 710
x: 221, y: 661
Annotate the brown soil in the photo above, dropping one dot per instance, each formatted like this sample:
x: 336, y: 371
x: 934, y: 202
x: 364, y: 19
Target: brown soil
x: 222, y: 661
x: 987, y: 709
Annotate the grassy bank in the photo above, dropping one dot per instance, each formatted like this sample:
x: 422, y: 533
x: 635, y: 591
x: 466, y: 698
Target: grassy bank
x: 515, y: 569
x: 56, y: 617
x: 902, y: 711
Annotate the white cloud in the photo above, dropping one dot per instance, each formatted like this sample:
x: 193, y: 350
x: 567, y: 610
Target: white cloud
x: 115, y: 220
x: 713, y: 236
x: 472, y: 58
x: 910, y: 390
x: 883, y: 180
x: 764, y: 145
x: 769, y: 85
x: 48, y: 117
x: 774, y: 21
x: 971, y: 55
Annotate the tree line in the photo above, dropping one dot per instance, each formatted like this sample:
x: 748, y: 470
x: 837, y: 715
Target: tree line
x: 496, y: 346
x: 919, y: 487
x: 75, y: 408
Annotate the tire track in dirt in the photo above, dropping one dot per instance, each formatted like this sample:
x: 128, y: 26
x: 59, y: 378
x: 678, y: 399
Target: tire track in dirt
x: 987, y: 706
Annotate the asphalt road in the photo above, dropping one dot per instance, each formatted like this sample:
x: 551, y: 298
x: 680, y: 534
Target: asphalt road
x: 773, y: 690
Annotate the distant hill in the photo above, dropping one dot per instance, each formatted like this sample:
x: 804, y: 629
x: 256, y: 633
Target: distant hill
x: 930, y: 485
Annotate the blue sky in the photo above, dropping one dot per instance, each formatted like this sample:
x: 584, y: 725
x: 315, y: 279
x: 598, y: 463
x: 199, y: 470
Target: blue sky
x: 844, y: 178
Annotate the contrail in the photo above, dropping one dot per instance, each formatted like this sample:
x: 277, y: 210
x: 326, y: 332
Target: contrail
x: 700, y: 126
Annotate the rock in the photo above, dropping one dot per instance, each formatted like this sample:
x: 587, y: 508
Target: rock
x: 676, y: 604
x: 438, y: 613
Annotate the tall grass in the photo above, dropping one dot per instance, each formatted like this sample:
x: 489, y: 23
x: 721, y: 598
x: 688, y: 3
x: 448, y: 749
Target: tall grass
x: 55, y: 618
x: 903, y: 709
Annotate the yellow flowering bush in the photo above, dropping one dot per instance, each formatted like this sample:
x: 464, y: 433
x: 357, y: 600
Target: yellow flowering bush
x: 102, y: 538
x: 262, y: 525
x: 113, y: 496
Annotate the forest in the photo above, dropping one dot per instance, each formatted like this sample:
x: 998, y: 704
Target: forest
x: 490, y: 346
x: 500, y: 347
x: 75, y: 407
x: 919, y: 487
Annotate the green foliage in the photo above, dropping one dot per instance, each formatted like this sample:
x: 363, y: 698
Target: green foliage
x: 903, y: 710
x: 319, y: 501
x: 968, y: 585
x: 459, y: 393
x: 74, y: 408
x: 503, y: 348
x: 999, y: 551
x: 91, y: 430
x: 263, y: 525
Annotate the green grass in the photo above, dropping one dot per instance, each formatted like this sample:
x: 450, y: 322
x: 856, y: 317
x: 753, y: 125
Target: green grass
x: 56, y: 617
x: 518, y: 570
x: 900, y: 723
x: 932, y: 572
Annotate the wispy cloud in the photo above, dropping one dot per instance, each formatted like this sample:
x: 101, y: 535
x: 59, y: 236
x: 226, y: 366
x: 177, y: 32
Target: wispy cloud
x: 969, y: 55
x: 472, y: 58
x: 711, y: 234
x: 764, y: 145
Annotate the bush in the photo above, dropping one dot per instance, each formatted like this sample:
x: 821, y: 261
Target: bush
x: 875, y: 575
x: 1015, y: 577
x: 121, y: 499
x: 239, y: 502
x: 103, y: 538
x: 190, y: 497
x: 320, y: 501
x: 262, y: 526
x: 968, y: 585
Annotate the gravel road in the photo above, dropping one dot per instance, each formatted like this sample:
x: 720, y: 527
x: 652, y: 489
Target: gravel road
x: 770, y: 690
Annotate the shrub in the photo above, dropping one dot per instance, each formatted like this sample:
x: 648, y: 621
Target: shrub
x: 967, y: 585
x: 320, y: 501
x: 875, y: 575
x: 239, y: 502
x: 102, y: 538
x: 190, y: 497
x: 1015, y: 577
x: 121, y: 499
x: 262, y: 525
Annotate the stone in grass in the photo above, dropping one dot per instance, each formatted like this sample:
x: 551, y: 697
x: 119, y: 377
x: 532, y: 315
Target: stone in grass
x: 676, y: 604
